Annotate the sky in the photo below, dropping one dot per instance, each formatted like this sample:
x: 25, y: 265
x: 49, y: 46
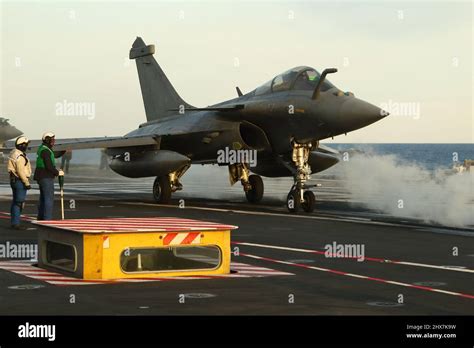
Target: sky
x: 412, y: 58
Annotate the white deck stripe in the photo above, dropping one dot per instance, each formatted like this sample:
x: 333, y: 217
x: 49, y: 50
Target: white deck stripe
x: 328, y: 218
x: 264, y: 273
x: 34, y: 273
x: 63, y: 282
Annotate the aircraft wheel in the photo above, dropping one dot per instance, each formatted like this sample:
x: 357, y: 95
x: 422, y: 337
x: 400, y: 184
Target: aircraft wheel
x: 255, y: 194
x: 309, y: 201
x: 162, y: 189
x: 293, y: 202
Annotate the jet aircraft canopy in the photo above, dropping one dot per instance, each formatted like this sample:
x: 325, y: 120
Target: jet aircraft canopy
x: 301, y: 78
x: 4, y: 122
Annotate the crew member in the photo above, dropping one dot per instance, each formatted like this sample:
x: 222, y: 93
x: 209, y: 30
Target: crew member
x: 45, y: 173
x: 19, y: 169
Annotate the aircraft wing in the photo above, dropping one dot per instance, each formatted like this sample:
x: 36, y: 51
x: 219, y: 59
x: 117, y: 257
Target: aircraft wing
x: 90, y: 143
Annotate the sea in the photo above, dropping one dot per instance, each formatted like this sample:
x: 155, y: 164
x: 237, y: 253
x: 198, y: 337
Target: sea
x: 428, y: 156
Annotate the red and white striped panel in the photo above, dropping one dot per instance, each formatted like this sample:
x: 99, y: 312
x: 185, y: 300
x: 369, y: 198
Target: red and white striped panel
x: 182, y: 238
x: 117, y: 225
x: 26, y: 268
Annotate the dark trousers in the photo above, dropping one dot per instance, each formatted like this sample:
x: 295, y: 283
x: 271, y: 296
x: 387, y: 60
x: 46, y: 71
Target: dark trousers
x: 19, y: 197
x: 46, y: 200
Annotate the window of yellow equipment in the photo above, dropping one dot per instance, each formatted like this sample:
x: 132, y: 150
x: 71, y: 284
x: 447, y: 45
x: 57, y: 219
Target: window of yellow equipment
x: 177, y: 258
x: 59, y: 255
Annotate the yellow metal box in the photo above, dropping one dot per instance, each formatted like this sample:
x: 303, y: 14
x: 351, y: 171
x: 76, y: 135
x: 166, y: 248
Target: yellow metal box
x: 134, y: 247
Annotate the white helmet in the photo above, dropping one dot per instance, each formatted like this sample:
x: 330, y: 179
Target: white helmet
x: 48, y: 135
x: 21, y: 140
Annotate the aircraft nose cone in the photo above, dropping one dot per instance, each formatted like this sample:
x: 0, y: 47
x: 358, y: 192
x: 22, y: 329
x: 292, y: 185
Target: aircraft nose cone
x: 357, y: 113
x: 9, y: 132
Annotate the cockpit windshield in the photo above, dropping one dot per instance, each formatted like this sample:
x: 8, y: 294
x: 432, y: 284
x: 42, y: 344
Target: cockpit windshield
x: 4, y: 122
x: 284, y: 81
x: 301, y: 78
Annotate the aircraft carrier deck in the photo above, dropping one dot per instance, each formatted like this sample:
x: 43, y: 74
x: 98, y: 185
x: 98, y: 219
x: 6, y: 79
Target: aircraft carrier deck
x: 281, y: 267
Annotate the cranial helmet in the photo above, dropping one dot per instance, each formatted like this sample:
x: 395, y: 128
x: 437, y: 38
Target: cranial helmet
x: 48, y: 135
x: 21, y: 143
x: 21, y: 140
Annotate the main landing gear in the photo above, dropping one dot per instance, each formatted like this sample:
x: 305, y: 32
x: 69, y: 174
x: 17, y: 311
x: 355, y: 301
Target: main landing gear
x: 300, y: 196
x: 165, y: 185
x: 252, y: 184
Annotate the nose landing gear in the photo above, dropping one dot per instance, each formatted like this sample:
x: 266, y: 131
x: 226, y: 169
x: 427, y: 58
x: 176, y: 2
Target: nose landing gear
x: 300, y: 196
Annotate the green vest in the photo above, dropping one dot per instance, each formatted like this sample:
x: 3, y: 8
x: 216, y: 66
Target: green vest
x: 39, y: 160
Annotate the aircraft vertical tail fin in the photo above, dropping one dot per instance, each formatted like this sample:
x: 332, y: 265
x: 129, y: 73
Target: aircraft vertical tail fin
x: 159, y: 96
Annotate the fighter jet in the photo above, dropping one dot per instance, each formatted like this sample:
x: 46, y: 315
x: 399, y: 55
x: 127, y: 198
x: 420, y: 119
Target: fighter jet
x: 7, y: 131
x: 282, y: 121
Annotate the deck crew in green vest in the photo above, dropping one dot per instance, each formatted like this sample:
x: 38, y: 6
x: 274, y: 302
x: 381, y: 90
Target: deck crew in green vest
x: 44, y: 174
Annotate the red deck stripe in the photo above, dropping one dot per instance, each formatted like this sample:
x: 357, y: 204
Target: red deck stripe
x: 168, y: 238
x: 358, y: 276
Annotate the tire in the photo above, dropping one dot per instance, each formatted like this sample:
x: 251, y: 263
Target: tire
x: 309, y: 201
x: 162, y: 189
x: 293, y: 203
x: 255, y: 194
